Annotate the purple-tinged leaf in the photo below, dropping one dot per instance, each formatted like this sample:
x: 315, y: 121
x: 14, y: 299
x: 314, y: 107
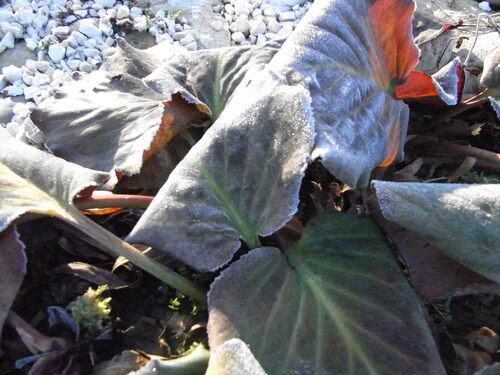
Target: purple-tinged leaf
x: 334, y: 302
x: 12, y: 270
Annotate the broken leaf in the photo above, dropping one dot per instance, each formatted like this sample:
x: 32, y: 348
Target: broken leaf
x: 93, y: 274
x: 334, y: 302
x: 12, y: 270
x: 241, y: 180
x: 461, y: 220
x: 493, y: 369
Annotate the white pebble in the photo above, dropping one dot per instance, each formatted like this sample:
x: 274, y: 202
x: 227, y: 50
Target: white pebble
x: 6, y: 15
x: 70, y: 51
x: 60, y: 31
x: 242, y: 24
x: 91, y: 52
x: 257, y: 27
x: 110, y: 51
x: 141, y: 23
x: 241, y: 7
x: 71, y: 41
x: 56, y: 52
x: 193, y: 46
x: 88, y: 28
x: 484, y: 5
x: 15, y: 91
x: 86, y: 67
x: 42, y: 66
x: 186, y: 40
x: 16, y: 30
x: 25, y: 16
x: 135, y: 12
x: 105, y: 3
x: 90, y: 43
x: 238, y: 37
x: 31, y: 92
x: 79, y: 37
x: 272, y: 25
x: 12, y: 73
x: 81, y: 13
x: 229, y: 9
x: 70, y: 19
x: 73, y: 64
x: 40, y: 79
x: 261, y: 40
x: 27, y: 79
x: 31, y: 43
x: 257, y: 12
x: 286, y: 30
x: 216, y: 25
x: 50, y: 25
x: 287, y: 16
x: 8, y: 40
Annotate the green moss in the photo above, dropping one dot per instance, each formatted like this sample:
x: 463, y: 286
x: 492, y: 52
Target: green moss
x: 91, y: 311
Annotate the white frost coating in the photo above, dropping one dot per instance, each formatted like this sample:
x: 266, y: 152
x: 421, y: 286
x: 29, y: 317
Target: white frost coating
x: 234, y: 357
x: 446, y: 82
x: 462, y: 220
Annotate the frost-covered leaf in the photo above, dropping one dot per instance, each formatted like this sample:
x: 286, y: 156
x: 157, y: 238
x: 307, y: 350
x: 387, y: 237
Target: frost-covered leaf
x: 351, y: 54
x: 210, y: 77
x: 241, y: 180
x: 446, y: 84
x: 461, y: 220
x: 335, y: 302
x: 233, y: 358
x: 117, y: 117
x: 33, y: 181
x: 12, y: 270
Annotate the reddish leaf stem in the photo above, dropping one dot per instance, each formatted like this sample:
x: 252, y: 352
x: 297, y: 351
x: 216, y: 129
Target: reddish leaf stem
x: 454, y: 148
x: 113, y: 200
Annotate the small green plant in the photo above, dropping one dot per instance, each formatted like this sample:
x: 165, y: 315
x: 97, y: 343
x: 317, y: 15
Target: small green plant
x: 91, y: 311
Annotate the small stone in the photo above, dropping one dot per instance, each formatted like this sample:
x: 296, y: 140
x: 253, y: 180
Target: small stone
x: 12, y: 73
x: 81, y: 13
x: 217, y: 8
x: 111, y: 13
x: 87, y: 27
x: 31, y: 43
x: 91, y: 52
x: 90, y: 43
x: 229, y: 9
x: 257, y: 27
x: 141, y: 23
x: 40, y: 79
x: 85, y: 67
x: 15, y: 91
x: 179, y: 35
x: 261, y: 40
x: 216, y: 25
x: 272, y: 25
x: 6, y: 15
x: 27, y: 79
x: 484, y: 5
x: 162, y: 38
x: 56, y: 52
x: 16, y: 30
x: 257, y: 12
x: 70, y: 19
x: 253, y: 39
x: 50, y: 25
x: 111, y: 51
x: 193, y: 46
x: 25, y: 16
x: 70, y: 51
x: 242, y: 24
x: 8, y: 40
x: 105, y: 3
x: 238, y: 37
x: 241, y: 7
x: 287, y: 16
x: 60, y: 31
x: 71, y: 41
x: 178, y: 27
x: 31, y: 92
x: 186, y: 40
x: 79, y: 37
x: 42, y: 66
x: 170, y: 23
x: 97, y: 7
x: 73, y: 64
x: 135, y: 12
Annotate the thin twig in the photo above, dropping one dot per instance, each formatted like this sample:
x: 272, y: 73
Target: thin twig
x: 465, y: 150
x: 113, y: 200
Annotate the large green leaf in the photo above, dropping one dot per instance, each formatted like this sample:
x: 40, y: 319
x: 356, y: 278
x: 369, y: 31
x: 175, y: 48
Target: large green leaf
x: 241, y: 180
x: 461, y: 220
x: 335, y: 302
x: 33, y: 181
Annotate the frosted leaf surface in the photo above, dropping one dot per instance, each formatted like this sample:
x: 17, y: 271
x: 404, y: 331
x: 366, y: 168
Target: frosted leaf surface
x: 233, y: 358
x: 461, y: 220
x: 334, y: 302
x: 241, y: 180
